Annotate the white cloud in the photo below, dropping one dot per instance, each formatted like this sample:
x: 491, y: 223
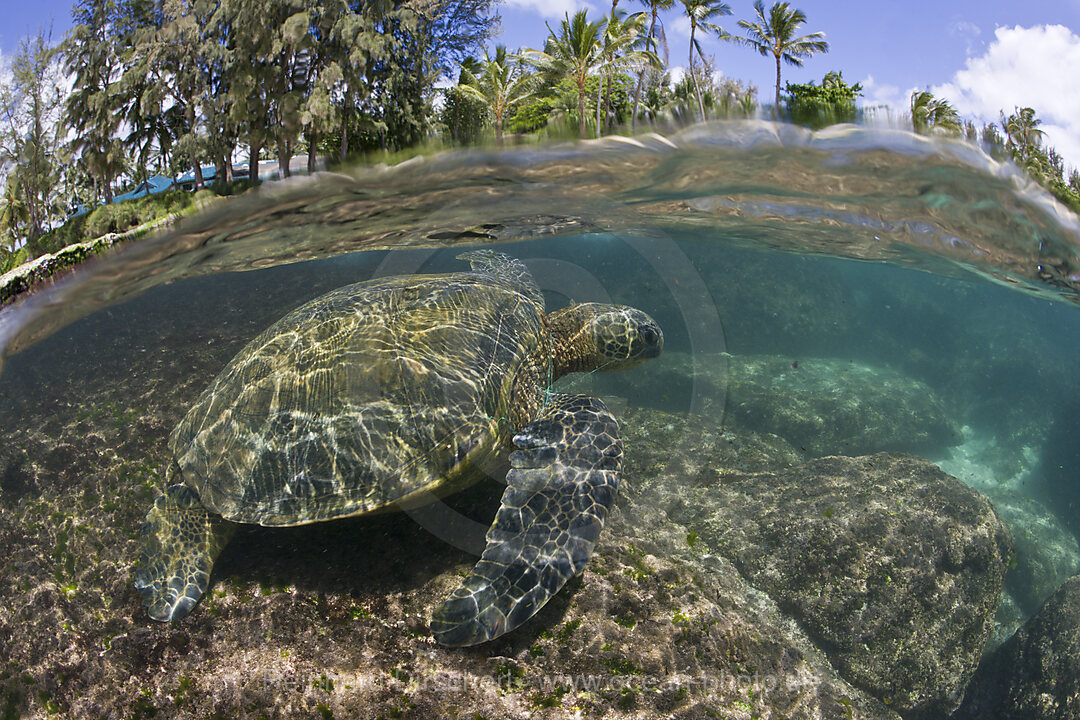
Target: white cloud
x: 680, y: 27
x: 554, y: 9
x: 875, y: 93
x: 1025, y: 67
x: 1064, y: 139
x: 964, y: 28
x: 969, y: 32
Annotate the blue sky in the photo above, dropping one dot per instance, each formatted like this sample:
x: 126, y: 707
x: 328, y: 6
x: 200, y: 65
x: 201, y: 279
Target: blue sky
x: 984, y: 55
x: 914, y: 43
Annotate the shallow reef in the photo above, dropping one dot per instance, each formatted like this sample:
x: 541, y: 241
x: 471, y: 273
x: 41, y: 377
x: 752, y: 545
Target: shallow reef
x: 308, y: 622
x: 738, y: 577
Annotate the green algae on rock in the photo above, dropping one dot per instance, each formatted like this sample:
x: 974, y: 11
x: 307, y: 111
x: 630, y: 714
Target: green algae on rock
x: 24, y: 277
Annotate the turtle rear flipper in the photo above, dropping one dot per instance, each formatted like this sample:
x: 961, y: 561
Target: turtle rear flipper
x: 562, y: 483
x: 181, y: 541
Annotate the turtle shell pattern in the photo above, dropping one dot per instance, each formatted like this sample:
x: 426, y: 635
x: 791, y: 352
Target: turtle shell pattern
x: 375, y: 393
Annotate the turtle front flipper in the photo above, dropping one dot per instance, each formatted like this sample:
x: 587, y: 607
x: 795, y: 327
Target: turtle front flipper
x: 560, y: 487
x: 181, y: 541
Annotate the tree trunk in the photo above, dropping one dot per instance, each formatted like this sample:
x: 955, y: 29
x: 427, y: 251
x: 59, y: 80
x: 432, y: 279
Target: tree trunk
x: 637, y: 100
x: 253, y: 163
x: 344, y: 151
x: 607, y: 103
x: 284, y: 157
x: 641, y: 76
x: 106, y: 188
x: 776, y: 111
x: 313, y: 140
x: 498, y: 131
x: 581, y: 109
x: 693, y: 75
x: 228, y: 166
x: 599, y: 104
x: 197, y: 168
x: 33, y: 230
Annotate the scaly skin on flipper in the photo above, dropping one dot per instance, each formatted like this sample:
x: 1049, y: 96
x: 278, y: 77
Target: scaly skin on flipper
x: 562, y: 483
x: 181, y: 541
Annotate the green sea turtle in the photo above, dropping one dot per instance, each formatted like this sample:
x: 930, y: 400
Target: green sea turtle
x: 387, y: 393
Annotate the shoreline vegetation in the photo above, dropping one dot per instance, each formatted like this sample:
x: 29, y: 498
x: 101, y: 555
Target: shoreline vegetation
x: 175, y: 88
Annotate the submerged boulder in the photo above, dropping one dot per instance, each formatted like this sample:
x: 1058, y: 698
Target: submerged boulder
x: 892, y: 567
x: 822, y: 406
x: 1046, y: 553
x: 1036, y: 674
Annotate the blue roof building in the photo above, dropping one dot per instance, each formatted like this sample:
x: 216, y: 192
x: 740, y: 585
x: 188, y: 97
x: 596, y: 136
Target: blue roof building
x: 151, y: 186
x: 187, y: 180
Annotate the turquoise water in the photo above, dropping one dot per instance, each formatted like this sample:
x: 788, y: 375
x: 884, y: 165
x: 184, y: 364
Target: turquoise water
x: 916, y: 291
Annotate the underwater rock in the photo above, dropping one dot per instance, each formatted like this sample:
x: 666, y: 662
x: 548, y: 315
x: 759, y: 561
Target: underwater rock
x: 1036, y: 674
x: 823, y: 406
x: 24, y: 277
x: 1046, y: 553
x: 894, y: 568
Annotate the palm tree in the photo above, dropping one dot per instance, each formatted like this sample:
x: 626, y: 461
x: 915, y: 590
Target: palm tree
x: 929, y: 114
x: 700, y: 13
x: 622, y: 41
x: 575, y: 52
x: 1022, y: 133
x: 498, y: 84
x: 655, y: 6
x: 13, y: 215
x: 776, y: 34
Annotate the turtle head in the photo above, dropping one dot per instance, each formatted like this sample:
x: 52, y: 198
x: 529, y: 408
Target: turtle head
x: 595, y: 336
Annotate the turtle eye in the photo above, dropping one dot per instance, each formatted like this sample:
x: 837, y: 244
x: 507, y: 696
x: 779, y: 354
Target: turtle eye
x: 649, y: 335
